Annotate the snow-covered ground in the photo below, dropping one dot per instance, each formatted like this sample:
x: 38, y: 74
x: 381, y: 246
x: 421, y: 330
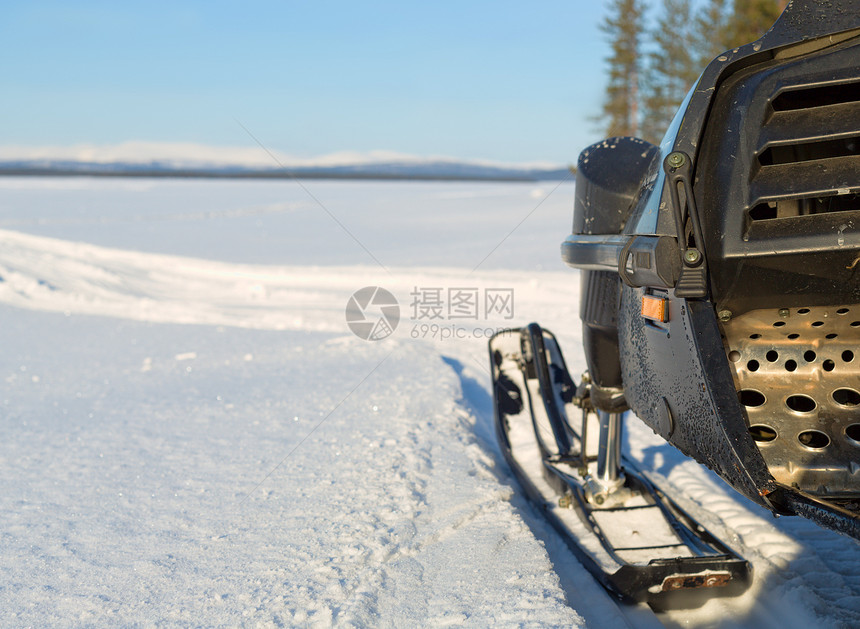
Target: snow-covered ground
x: 192, y: 435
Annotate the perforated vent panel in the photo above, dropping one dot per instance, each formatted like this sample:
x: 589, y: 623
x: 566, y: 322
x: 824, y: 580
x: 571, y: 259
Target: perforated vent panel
x: 797, y: 372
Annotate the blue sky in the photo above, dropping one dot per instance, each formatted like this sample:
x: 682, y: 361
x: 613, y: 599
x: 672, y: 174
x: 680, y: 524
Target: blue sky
x: 508, y: 81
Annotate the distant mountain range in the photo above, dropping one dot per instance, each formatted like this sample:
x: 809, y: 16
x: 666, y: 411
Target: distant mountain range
x: 404, y: 168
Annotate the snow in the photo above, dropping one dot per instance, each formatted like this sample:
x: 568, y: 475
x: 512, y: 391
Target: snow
x: 191, y: 435
x: 196, y: 490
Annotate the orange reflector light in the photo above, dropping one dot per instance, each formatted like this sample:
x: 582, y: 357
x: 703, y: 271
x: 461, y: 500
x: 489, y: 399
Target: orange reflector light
x: 655, y: 308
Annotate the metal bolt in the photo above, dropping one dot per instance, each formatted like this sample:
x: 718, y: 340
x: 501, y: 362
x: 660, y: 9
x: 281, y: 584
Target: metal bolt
x: 692, y: 256
x: 725, y: 315
x: 564, y: 501
x: 784, y: 312
x: 676, y: 160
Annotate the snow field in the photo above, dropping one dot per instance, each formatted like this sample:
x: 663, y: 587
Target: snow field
x: 192, y: 436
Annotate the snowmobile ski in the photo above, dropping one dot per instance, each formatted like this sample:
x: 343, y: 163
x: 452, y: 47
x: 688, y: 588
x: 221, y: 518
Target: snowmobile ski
x: 636, y: 541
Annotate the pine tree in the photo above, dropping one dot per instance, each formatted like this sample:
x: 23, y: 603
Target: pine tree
x: 711, y: 26
x: 750, y: 20
x: 683, y: 45
x: 673, y: 67
x: 624, y: 26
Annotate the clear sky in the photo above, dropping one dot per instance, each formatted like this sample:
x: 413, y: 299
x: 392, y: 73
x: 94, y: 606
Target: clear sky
x: 508, y: 81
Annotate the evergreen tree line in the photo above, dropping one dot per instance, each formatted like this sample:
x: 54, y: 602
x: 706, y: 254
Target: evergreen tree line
x: 652, y: 69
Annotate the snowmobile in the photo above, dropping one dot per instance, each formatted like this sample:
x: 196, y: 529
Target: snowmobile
x: 720, y: 279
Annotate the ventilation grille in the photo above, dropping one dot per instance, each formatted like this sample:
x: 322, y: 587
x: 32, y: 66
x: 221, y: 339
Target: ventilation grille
x: 808, y: 154
x: 797, y: 372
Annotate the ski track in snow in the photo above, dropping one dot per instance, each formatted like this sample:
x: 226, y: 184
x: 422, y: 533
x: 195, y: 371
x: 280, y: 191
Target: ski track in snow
x: 152, y: 485
x: 138, y: 452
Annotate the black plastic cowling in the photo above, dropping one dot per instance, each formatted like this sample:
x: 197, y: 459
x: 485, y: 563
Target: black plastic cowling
x: 779, y: 181
x: 607, y: 184
x: 608, y: 176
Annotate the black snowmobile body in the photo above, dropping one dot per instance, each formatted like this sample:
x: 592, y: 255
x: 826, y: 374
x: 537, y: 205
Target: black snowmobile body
x: 721, y: 270
x: 720, y: 277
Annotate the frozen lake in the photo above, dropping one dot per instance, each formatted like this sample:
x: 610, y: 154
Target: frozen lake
x: 286, y: 223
